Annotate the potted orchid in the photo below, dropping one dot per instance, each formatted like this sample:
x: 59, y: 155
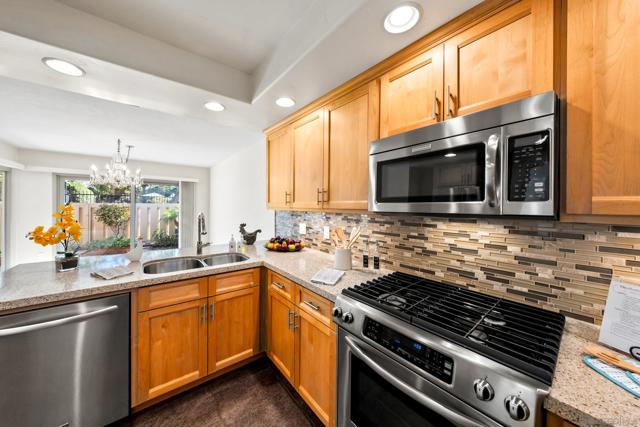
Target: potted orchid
x: 66, y: 231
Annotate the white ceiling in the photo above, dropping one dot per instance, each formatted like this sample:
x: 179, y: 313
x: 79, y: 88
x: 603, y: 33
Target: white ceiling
x: 239, y: 33
x: 170, y: 57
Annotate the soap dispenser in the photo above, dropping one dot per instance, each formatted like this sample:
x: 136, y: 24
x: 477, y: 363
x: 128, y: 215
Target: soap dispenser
x: 233, y: 246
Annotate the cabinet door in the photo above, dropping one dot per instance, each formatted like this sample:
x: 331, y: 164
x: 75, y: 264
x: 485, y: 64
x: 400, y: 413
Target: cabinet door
x: 505, y: 57
x: 279, y: 169
x: 280, y: 336
x: 172, y: 347
x: 316, y: 365
x: 308, y: 152
x: 233, y: 327
x: 411, y: 94
x: 351, y: 123
x: 602, y: 137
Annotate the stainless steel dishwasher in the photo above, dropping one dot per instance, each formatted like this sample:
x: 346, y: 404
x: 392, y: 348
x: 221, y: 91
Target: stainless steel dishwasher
x: 66, y: 365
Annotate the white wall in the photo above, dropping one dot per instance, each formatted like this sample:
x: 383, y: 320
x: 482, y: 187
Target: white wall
x: 30, y: 203
x: 239, y: 194
x: 32, y: 195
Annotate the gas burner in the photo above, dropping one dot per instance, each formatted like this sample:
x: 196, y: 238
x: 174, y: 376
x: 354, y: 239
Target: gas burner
x: 478, y: 335
x: 392, y: 300
x: 494, y: 318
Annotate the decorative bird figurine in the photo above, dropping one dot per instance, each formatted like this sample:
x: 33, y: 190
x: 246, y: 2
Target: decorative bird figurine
x: 249, y: 238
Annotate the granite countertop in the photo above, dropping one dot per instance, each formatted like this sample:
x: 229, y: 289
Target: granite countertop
x: 30, y: 285
x: 581, y: 395
x: 578, y: 394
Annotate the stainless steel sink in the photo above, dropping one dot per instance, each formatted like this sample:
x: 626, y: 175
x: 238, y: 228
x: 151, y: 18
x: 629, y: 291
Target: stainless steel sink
x: 227, y: 258
x: 171, y: 265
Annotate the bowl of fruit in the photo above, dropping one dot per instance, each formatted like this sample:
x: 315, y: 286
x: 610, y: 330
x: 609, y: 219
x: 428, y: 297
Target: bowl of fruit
x: 283, y: 244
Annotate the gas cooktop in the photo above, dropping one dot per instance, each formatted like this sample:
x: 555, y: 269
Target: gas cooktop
x: 522, y: 337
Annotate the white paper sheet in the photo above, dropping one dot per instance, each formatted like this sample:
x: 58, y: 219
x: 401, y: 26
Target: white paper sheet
x: 327, y: 276
x: 621, y: 323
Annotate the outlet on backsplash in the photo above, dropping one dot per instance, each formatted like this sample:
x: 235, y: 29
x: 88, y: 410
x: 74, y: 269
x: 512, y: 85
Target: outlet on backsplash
x: 302, y: 228
x: 326, y: 232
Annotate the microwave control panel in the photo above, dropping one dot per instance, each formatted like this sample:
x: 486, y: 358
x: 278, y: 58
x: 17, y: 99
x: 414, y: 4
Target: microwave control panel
x: 529, y: 167
x: 432, y: 361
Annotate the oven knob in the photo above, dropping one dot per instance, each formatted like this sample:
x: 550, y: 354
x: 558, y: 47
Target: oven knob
x: 337, y: 312
x: 484, y: 390
x: 347, y: 317
x: 518, y: 410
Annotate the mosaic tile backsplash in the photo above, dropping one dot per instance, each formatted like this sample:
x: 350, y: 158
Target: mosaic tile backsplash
x: 557, y: 266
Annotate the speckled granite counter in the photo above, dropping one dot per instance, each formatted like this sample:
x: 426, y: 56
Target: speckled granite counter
x: 31, y: 285
x: 581, y: 395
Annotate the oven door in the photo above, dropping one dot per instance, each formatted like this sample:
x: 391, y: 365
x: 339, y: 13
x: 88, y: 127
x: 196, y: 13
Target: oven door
x: 376, y: 391
x: 459, y: 175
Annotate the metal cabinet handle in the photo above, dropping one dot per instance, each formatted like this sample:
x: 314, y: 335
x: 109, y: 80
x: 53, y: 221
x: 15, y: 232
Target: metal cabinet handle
x: 203, y: 313
x: 312, y: 305
x: 318, y: 199
x: 58, y: 322
x: 493, y: 169
x: 325, y: 192
x: 295, y: 325
x: 278, y: 285
x: 287, y: 197
x: 437, y: 407
x: 449, y: 110
x: 435, y: 105
x: 289, y: 312
x: 211, y: 307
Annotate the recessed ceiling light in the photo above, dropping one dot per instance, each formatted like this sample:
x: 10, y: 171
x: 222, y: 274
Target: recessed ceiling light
x: 450, y: 155
x: 285, y: 102
x: 214, y: 106
x: 63, y: 67
x: 402, y: 18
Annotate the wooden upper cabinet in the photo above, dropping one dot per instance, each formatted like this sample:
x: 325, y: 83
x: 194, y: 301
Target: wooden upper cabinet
x: 602, y: 108
x: 233, y: 327
x: 172, y: 349
x: 411, y: 94
x: 503, y: 58
x: 351, y: 122
x: 308, y: 152
x: 279, y: 169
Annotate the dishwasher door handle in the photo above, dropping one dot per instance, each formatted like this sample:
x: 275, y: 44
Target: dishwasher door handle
x: 58, y: 322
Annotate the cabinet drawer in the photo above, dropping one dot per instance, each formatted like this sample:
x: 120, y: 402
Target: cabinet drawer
x: 284, y: 287
x: 234, y: 281
x: 171, y: 293
x: 315, y: 305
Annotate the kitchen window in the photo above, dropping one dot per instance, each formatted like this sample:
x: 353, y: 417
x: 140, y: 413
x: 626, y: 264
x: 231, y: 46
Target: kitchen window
x: 106, y: 216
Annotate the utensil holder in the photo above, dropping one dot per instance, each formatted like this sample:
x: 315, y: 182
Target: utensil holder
x: 342, y: 259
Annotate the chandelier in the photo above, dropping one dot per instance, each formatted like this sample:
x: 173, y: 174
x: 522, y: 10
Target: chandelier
x: 116, y: 174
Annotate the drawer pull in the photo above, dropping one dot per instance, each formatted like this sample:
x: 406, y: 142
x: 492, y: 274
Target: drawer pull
x: 203, y: 311
x: 212, y: 312
x: 278, y: 285
x: 312, y: 305
x: 289, y: 312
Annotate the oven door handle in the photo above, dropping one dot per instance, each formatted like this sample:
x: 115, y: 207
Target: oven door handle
x: 454, y: 417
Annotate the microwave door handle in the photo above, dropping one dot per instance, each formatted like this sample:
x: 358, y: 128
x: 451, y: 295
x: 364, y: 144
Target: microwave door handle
x: 454, y: 417
x: 493, y: 169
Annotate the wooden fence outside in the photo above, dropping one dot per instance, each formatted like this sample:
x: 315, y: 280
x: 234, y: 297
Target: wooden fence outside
x: 149, y: 219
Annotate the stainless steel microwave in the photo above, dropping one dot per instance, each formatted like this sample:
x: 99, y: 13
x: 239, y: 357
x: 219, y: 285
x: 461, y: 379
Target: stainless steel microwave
x: 500, y: 161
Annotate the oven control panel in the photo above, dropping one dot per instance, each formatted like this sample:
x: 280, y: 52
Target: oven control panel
x: 425, y: 358
x: 529, y: 169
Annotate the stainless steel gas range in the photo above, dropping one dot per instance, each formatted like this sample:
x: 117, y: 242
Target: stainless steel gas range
x: 412, y: 352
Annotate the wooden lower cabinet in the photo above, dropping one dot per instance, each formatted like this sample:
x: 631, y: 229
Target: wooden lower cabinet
x: 176, y: 343
x: 172, y: 347
x: 555, y: 421
x: 233, y: 327
x: 280, y: 334
x: 316, y: 365
x: 301, y: 343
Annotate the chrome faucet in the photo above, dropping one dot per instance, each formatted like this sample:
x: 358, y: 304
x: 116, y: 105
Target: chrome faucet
x: 202, y: 230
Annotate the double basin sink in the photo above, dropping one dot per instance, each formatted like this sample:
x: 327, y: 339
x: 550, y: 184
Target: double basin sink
x: 171, y: 265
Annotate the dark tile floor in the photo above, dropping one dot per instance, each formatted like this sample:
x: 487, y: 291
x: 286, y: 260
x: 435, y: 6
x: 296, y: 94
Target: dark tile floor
x: 254, y: 395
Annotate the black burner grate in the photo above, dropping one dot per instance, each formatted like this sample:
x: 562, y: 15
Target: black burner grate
x: 523, y: 337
